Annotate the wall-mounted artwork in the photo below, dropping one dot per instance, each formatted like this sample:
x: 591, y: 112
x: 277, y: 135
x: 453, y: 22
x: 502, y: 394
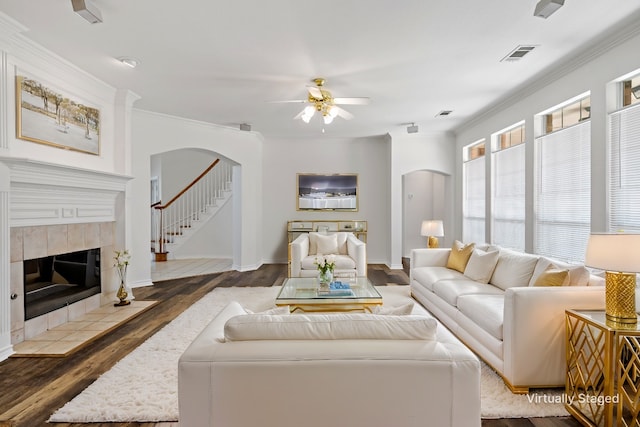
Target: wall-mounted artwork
x: 46, y: 116
x: 336, y: 192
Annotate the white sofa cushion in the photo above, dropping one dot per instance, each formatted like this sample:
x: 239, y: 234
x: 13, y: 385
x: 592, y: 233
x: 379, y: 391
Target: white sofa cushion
x: 513, y: 269
x: 578, y: 274
x: 450, y: 290
x: 343, y: 262
x: 427, y: 276
x: 481, y: 265
x: 334, y: 326
x: 487, y: 311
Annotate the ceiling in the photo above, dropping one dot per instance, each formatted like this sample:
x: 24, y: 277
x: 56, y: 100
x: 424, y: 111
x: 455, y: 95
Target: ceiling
x: 223, y: 61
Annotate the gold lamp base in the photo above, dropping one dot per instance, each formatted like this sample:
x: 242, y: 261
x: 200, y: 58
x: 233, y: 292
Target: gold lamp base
x: 620, y: 297
x: 432, y: 242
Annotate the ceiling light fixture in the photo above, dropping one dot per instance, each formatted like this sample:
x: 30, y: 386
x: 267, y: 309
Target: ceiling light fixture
x: 129, y: 62
x: 545, y: 8
x: 412, y: 128
x: 87, y: 10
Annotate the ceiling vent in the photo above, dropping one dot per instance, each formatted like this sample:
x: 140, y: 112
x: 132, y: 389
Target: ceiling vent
x: 518, y: 53
x: 444, y: 113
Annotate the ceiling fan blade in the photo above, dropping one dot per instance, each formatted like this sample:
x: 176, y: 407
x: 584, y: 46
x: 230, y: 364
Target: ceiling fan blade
x: 343, y: 113
x: 352, y: 101
x: 315, y: 92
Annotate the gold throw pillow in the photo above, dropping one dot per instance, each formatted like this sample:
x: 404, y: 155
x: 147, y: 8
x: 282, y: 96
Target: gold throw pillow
x: 552, y: 276
x: 459, y: 256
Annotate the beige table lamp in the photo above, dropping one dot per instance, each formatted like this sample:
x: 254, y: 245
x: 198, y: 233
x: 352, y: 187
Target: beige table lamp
x: 432, y: 229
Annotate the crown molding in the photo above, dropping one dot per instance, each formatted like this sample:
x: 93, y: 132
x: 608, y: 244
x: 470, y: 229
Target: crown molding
x: 545, y: 77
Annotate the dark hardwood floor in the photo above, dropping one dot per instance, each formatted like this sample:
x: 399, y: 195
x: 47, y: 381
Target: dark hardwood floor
x: 33, y: 388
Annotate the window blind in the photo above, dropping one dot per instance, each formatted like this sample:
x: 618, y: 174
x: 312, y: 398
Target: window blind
x: 563, y: 193
x: 624, y: 170
x: 473, y: 206
x: 508, y: 198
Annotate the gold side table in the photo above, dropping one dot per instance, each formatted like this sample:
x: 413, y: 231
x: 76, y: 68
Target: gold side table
x: 603, y: 370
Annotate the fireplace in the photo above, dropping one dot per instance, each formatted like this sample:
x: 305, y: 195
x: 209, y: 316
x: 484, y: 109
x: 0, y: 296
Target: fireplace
x: 56, y: 281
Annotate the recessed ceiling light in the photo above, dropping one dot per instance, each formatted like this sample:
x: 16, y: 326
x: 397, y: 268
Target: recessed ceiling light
x: 444, y: 113
x: 129, y: 61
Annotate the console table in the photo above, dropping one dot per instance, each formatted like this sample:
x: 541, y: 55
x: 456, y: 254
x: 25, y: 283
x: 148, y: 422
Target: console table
x: 603, y: 369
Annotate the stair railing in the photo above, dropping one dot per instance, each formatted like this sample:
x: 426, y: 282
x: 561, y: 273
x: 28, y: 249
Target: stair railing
x: 171, y: 219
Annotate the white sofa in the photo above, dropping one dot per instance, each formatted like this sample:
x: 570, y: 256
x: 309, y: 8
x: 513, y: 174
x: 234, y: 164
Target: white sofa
x: 494, y: 308
x: 350, y: 252
x: 296, y: 370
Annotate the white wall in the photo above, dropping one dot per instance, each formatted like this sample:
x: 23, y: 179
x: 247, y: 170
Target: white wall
x: 408, y: 153
x: 180, y: 167
x: 157, y: 133
x: 283, y: 158
x: 423, y: 199
x: 593, y: 72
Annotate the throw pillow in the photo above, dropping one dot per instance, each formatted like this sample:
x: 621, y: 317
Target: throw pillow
x: 513, y: 269
x: 282, y: 310
x: 326, y: 244
x: 481, y: 265
x: 459, y: 256
x: 552, y: 276
x: 401, y: 310
x: 333, y: 326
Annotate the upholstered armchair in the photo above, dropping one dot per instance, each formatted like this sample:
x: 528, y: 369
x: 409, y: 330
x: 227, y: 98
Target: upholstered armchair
x: 350, y: 252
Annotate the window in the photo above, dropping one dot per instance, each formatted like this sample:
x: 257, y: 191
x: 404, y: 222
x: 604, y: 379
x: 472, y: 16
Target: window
x: 508, y: 189
x: 473, y: 204
x: 631, y: 91
x: 567, y: 116
x: 624, y: 164
x: 563, y: 188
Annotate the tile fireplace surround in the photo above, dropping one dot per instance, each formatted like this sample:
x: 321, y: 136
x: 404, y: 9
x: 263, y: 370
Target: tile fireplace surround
x: 41, y: 241
x: 49, y: 209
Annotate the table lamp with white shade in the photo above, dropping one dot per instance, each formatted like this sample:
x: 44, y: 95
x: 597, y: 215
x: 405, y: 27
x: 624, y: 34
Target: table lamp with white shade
x: 433, y: 229
x: 619, y: 255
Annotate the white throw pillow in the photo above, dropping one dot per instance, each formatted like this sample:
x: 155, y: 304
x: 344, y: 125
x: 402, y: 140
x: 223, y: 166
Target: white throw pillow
x: 326, y: 244
x: 282, y: 310
x: 401, y: 310
x: 481, y: 265
x: 513, y: 269
x: 334, y: 326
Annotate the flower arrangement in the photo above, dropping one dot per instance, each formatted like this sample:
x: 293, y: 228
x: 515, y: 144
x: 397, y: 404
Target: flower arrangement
x: 326, y: 263
x: 121, y: 262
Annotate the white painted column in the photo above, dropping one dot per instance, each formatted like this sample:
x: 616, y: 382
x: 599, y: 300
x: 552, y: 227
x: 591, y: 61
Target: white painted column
x: 6, y: 348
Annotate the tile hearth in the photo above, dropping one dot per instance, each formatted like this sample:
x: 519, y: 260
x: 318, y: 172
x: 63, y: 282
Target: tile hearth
x: 69, y: 337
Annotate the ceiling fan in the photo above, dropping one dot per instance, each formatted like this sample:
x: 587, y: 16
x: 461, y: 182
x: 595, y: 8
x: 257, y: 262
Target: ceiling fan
x: 321, y: 100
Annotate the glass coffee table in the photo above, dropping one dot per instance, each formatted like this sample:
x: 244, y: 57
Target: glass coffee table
x: 302, y: 293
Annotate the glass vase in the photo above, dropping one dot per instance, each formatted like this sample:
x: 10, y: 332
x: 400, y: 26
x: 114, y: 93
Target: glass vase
x: 325, y: 278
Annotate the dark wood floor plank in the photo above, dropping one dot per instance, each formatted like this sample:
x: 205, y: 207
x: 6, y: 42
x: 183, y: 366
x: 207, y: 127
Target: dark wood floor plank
x: 33, y: 388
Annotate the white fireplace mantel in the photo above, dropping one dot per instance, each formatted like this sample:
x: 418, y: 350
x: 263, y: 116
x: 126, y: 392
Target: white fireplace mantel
x: 45, y: 193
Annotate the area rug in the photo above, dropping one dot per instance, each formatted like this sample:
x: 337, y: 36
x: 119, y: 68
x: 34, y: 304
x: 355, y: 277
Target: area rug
x: 143, y: 386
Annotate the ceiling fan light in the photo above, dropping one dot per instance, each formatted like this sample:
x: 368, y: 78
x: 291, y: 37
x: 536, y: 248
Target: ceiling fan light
x: 309, y: 110
x: 306, y: 118
x: 333, y: 111
x: 328, y: 119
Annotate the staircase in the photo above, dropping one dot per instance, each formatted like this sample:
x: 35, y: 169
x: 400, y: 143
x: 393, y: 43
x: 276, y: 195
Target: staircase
x: 174, y: 222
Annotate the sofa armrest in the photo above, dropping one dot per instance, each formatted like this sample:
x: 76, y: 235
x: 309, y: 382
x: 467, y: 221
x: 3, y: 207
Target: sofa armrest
x: 534, y: 331
x: 299, y: 250
x: 357, y: 249
x: 425, y: 257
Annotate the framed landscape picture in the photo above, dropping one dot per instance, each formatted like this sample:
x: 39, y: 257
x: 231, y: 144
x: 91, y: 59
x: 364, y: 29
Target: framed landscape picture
x: 336, y: 192
x: 47, y: 116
